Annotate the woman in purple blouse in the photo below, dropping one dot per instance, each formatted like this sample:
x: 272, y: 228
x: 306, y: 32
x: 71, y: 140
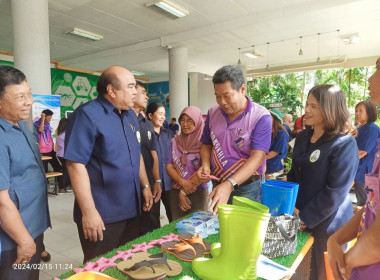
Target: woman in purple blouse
x: 189, y: 192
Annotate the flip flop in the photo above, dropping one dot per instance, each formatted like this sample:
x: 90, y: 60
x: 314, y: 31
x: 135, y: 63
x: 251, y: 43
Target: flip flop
x: 196, y: 241
x: 144, y: 266
x: 182, y: 251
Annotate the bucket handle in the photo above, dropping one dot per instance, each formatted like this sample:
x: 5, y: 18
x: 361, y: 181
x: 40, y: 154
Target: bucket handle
x: 283, y: 232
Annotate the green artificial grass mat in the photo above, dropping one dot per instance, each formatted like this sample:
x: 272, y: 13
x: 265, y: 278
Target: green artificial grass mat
x: 187, y: 273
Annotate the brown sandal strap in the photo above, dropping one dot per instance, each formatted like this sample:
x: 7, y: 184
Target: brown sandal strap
x: 196, y: 239
x: 183, y: 247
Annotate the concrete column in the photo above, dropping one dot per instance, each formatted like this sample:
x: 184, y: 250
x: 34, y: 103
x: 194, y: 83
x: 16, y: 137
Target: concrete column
x: 202, y: 94
x: 178, y: 81
x: 193, y: 88
x: 31, y: 42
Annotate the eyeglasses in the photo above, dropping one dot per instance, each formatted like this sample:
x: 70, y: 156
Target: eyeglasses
x: 188, y: 121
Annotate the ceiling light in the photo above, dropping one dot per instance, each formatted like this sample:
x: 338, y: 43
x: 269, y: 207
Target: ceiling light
x: 350, y: 38
x: 169, y: 9
x: 300, y: 52
x: 253, y: 54
x: 85, y: 34
x: 318, y: 59
x: 250, y: 54
x: 137, y: 73
x: 296, y: 66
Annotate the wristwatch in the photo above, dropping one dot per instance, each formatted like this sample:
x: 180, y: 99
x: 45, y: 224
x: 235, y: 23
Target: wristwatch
x: 182, y: 192
x: 158, y: 181
x: 235, y: 185
x: 145, y: 186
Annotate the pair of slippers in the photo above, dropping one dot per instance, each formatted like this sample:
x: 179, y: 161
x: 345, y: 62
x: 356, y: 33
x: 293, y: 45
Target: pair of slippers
x: 144, y: 266
x: 190, y: 248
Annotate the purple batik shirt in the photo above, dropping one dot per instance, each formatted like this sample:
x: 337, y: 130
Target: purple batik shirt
x: 192, y: 165
x: 369, y: 216
x: 232, y: 143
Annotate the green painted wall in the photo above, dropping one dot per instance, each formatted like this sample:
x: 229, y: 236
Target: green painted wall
x: 73, y: 87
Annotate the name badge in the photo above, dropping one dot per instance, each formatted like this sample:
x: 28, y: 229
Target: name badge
x: 149, y: 135
x: 315, y: 155
x: 138, y: 136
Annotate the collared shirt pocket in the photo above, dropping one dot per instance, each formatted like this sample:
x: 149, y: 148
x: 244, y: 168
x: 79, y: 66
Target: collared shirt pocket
x: 241, y: 140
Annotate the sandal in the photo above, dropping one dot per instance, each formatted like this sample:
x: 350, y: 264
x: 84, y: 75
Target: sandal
x: 196, y: 241
x: 182, y: 251
x: 144, y: 266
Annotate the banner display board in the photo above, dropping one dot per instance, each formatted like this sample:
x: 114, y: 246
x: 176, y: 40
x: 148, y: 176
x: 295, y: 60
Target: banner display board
x: 51, y: 102
x: 159, y: 92
x: 74, y: 88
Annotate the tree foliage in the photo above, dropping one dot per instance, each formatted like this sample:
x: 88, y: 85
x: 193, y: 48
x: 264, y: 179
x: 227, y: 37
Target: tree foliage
x: 293, y: 87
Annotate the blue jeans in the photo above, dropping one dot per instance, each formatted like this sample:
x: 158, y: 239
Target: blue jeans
x: 252, y: 191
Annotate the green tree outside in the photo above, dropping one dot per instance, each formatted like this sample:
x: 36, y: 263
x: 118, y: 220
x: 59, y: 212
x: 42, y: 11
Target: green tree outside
x: 293, y: 87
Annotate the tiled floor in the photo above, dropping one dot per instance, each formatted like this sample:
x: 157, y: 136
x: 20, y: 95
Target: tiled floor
x: 62, y: 241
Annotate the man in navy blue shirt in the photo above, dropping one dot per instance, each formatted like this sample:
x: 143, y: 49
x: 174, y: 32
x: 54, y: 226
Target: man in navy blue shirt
x: 150, y: 220
x: 174, y: 126
x: 24, y: 213
x: 102, y: 149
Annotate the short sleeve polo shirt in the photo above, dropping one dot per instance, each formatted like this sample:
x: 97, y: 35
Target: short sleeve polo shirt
x: 366, y: 141
x: 278, y: 144
x: 108, y: 144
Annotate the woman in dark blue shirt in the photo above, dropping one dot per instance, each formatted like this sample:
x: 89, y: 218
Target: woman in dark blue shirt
x: 156, y: 114
x: 368, y: 132
x: 325, y: 160
x: 278, y: 146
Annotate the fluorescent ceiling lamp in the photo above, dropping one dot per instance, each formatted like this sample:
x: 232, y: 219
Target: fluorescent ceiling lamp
x: 137, y: 73
x: 349, y: 39
x: 253, y: 54
x: 85, y: 34
x: 324, y: 63
x: 168, y: 8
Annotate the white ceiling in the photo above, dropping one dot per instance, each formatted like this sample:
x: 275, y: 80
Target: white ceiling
x: 136, y: 36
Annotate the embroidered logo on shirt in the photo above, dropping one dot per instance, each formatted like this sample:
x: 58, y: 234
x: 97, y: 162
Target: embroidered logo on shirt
x: 240, y: 131
x: 315, y: 155
x: 195, y: 162
x: 240, y: 142
x: 138, y: 136
x: 149, y: 135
